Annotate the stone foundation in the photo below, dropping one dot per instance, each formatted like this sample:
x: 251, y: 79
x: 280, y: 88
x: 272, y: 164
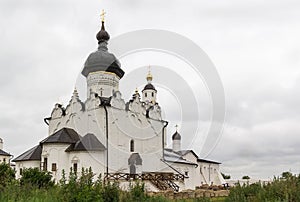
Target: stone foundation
x: 191, y: 194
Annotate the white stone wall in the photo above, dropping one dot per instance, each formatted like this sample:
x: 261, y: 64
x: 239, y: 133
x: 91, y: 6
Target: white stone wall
x: 55, y: 154
x: 5, y: 159
x: 210, y: 173
x: 93, y: 159
x: 123, y: 126
x: 149, y: 96
x: 25, y: 164
x: 176, y: 145
x: 102, y: 83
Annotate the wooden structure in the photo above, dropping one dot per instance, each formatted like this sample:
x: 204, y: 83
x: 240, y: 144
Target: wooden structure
x: 161, y: 180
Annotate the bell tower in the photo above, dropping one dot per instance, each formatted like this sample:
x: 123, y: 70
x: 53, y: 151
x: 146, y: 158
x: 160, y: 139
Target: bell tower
x: 149, y: 92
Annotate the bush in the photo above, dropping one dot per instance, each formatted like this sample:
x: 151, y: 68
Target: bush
x: 246, y: 177
x: 226, y: 177
x: 35, y: 177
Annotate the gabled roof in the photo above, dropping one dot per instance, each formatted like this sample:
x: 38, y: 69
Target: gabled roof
x: 207, y: 161
x: 3, y: 153
x: 33, y: 154
x: 184, y: 152
x: 174, y: 157
x: 88, y: 143
x: 64, y: 135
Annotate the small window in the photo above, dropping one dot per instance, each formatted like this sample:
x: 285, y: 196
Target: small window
x: 75, y: 168
x: 186, y: 173
x: 53, y: 167
x: 21, y: 171
x: 131, y: 146
x: 145, y: 94
x: 45, y: 164
x: 152, y: 94
x: 4, y: 160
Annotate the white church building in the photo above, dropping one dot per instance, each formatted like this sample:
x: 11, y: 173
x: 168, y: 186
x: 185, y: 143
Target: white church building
x: 120, y: 140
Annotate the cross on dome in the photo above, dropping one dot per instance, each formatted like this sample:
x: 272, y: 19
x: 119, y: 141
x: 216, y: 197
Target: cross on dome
x: 102, y: 15
x: 176, y: 126
x: 102, y: 35
x: 149, y: 75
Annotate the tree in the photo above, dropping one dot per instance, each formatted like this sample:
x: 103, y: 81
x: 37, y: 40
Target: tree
x: 246, y: 177
x: 286, y: 175
x: 226, y: 177
x: 7, y: 174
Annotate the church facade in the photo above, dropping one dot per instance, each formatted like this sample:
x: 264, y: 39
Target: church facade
x: 120, y: 140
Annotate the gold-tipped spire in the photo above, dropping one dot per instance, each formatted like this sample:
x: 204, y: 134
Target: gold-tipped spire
x: 136, y: 91
x: 103, y: 15
x: 149, y: 75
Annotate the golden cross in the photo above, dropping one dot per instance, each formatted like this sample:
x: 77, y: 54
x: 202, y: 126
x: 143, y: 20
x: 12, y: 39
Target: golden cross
x: 102, y: 15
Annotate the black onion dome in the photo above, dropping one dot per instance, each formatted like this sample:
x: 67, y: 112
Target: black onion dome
x: 102, y: 35
x: 102, y: 60
x: 149, y: 86
x: 176, y: 136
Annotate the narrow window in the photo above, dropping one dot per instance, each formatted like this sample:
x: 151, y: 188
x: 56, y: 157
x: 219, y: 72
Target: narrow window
x: 145, y: 94
x: 45, y: 164
x: 4, y: 160
x: 21, y: 171
x: 53, y: 167
x: 75, y: 168
x: 186, y: 173
x: 152, y: 94
x: 131, y: 146
x: 101, y: 92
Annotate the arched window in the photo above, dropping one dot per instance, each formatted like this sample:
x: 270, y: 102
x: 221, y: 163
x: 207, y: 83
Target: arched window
x: 131, y: 146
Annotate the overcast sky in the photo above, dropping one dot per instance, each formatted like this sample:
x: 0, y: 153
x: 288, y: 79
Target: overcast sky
x: 255, y: 46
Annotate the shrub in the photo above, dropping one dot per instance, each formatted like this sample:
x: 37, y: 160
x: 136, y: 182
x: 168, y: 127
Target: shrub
x: 111, y: 192
x: 246, y: 177
x: 35, y: 177
x: 226, y: 177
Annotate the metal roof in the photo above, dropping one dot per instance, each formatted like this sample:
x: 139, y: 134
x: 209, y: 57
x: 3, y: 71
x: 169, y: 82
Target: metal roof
x: 88, y: 143
x: 64, y: 135
x: 33, y: 154
x: 3, y: 153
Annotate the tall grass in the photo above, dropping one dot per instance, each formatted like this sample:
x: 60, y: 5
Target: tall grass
x: 37, y: 186
x: 281, y: 189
